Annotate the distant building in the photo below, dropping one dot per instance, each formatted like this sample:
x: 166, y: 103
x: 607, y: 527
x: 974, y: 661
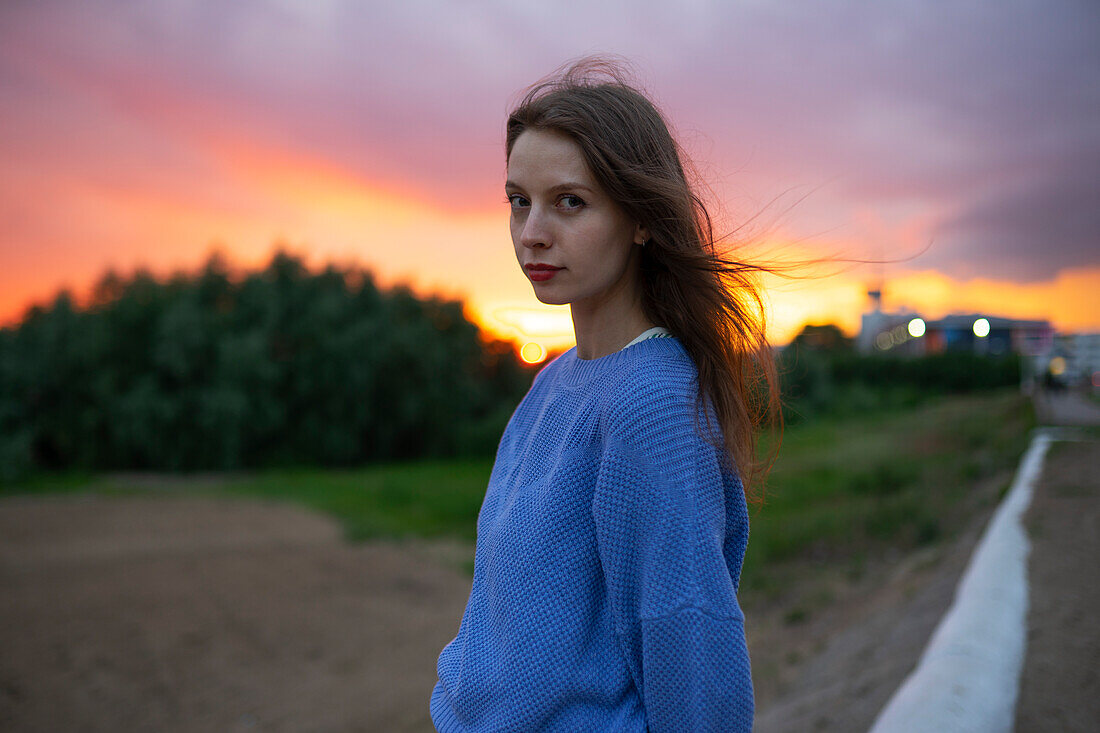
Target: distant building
x: 880, y: 331
x: 990, y: 335
x: 906, y: 333
x: 883, y: 331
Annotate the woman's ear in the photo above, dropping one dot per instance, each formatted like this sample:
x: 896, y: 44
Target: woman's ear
x: 641, y: 235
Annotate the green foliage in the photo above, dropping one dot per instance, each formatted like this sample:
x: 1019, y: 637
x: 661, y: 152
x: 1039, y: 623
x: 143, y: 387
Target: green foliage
x: 822, y: 338
x: 279, y: 367
x: 820, y: 374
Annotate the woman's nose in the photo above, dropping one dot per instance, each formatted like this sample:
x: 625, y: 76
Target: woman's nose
x: 535, y: 232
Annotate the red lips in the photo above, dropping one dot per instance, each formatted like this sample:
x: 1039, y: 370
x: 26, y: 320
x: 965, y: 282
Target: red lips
x: 540, y: 272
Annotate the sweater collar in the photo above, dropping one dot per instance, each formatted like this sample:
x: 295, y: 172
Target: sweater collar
x: 574, y: 371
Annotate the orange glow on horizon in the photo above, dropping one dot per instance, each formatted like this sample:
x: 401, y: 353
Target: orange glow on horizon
x: 1066, y: 301
x: 260, y: 199
x: 266, y: 196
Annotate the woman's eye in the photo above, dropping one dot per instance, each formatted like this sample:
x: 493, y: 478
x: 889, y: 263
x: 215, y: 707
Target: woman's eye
x: 569, y: 201
x: 517, y: 201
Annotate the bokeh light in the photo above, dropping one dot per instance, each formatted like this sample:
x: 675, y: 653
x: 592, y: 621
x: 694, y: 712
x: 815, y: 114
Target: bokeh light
x: 981, y: 328
x: 916, y: 328
x: 532, y: 353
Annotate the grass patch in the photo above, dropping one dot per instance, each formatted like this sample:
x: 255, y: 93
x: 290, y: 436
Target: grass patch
x: 425, y: 499
x: 68, y: 482
x: 848, y: 486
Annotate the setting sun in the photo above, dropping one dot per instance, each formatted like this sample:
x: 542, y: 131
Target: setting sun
x: 532, y: 353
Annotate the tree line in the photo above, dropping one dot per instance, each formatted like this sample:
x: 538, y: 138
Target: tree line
x: 283, y: 366
x: 822, y: 373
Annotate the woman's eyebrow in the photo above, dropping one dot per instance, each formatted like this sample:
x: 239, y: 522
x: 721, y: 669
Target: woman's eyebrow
x: 570, y: 186
x: 567, y: 186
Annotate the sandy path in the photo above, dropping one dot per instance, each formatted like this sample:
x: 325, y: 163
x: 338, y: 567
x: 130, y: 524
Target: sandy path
x: 1066, y: 407
x: 166, y: 614
x: 1060, y: 685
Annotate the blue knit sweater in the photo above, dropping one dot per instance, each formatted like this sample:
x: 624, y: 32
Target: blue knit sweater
x: 609, y: 548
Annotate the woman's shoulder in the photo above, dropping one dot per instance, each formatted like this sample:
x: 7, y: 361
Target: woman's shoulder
x: 657, y: 378
x: 650, y: 375
x: 655, y: 367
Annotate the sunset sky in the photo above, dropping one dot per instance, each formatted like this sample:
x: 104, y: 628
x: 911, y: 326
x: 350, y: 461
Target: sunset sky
x: 958, y: 141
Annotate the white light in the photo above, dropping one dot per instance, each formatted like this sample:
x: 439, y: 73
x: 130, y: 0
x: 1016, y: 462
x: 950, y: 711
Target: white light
x: 916, y: 328
x: 981, y: 328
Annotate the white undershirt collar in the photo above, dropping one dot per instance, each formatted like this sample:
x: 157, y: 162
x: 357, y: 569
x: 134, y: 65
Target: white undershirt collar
x: 654, y: 332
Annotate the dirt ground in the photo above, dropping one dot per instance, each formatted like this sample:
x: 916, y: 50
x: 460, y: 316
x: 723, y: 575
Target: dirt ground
x: 171, y: 614
x: 1060, y: 685
x: 164, y: 613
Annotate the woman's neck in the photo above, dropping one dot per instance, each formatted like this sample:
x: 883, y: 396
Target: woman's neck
x: 605, y: 330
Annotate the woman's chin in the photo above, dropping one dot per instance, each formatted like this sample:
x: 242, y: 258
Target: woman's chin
x: 549, y: 298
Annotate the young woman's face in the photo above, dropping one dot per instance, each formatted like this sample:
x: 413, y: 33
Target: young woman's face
x: 574, y: 243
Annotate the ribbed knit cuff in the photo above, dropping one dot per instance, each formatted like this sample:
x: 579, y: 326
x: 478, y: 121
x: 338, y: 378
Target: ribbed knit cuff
x: 443, y: 716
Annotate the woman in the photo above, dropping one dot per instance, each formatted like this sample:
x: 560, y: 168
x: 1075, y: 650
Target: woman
x: 611, y: 537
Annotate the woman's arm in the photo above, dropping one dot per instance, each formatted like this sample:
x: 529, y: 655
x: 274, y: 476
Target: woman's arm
x: 671, y: 529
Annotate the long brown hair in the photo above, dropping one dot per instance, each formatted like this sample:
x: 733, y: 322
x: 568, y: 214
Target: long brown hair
x: 711, y: 302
